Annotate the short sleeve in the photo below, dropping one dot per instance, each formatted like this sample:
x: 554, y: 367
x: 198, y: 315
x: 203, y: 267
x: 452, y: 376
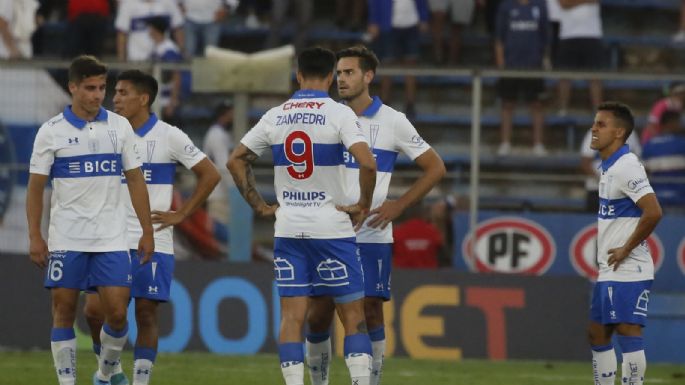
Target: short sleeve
x: 130, y: 153
x: 43, y: 155
x: 350, y: 129
x: 123, y: 20
x: 632, y: 180
x: 182, y: 149
x: 257, y: 139
x: 407, y: 140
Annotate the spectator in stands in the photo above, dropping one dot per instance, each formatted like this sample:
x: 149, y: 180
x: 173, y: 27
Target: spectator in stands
x: 680, y: 36
x: 491, y: 7
x: 395, y: 28
x: 442, y: 214
x: 553, y: 12
x: 675, y: 100
x: 349, y: 14
x: 303, y: 9
x: 460, y: 16
x: 203, y: 19
x: 521, y: 42
x: 87, y: 29
x: 218, y: 144
x: 590, y: 165
x: 417, y: 242
x: 165, y: 50
x: 664, y: 158
x: 580, y: 47
x: 133, y: 40
x: 17, y: 23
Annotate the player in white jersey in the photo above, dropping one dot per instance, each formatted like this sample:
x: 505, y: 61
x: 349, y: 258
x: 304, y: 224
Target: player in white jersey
x: 628, y: 213
x: 389, y: 132
x: 315, y: 254
x: 161, y: 146
x: 84, y: 151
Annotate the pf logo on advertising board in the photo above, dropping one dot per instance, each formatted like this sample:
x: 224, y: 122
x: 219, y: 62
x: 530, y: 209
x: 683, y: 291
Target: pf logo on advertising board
x: 583, y: 251
x: 509, y: 245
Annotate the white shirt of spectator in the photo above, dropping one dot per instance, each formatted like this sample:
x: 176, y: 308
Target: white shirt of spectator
x: 85, y: 161
x: 161, y: 146
x: 218, y: 145
x: 21, y: 19
x: 581, y: 21
x: 132, y: 20
x: 553, y: 10
x: 308, y: 193
x: 404, y: 13
x: 388, y: 132
x: 203, y: 11
x: 620, y: 186
x: 592, y: 182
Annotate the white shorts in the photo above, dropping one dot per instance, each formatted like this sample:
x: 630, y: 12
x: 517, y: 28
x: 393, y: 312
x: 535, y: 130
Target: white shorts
x: 461, y: 10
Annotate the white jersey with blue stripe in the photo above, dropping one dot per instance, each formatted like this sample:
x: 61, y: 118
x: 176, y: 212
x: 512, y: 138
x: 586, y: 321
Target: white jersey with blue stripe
x: 307, y: 136
x: 622, y: 183
x: 85, y: 161
x: 161, y: 147
x: 389, y: 132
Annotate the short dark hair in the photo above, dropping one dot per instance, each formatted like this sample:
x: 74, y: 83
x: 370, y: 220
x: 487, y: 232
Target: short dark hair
x: 669, y: 116
x: 368, y: 61
x: 622, y: 113
x: 144, y: 83
x: 86, y: 66
x: 316, y: 62
x: 159, y: 23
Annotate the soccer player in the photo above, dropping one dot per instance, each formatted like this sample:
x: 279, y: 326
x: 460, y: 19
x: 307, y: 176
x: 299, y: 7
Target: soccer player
x: 161, y: 147
x: 315, y: 254
x: 628, y: 213
x: 84, y: 150
x: 389, y: 132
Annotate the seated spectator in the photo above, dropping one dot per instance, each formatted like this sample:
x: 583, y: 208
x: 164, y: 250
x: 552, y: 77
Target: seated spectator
x: 87, y: 28
x: 165, y: 50
x: 203, y: 19
x: 675, y: 100
x: 460, y: 16
x: 133, y: 40
x: 417, y: 243
x: 664, y: 158
x: 17, y: 23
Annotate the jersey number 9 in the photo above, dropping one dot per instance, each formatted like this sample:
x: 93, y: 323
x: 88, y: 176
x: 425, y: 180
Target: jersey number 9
x: 300, y: 152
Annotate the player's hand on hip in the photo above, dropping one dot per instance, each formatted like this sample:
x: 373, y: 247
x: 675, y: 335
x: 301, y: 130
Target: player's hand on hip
x: 616, y: 256
x: 38, y: 252
x: 146, y: 246
x: 385, y: 214
x: 357, y: 213
x: 166, y: 218
x: 266, y: 211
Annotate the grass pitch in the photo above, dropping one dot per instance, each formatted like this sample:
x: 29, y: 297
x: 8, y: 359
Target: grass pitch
x: 32, y: 368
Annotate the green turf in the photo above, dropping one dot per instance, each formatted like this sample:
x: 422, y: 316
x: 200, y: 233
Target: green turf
x: 33, y: 368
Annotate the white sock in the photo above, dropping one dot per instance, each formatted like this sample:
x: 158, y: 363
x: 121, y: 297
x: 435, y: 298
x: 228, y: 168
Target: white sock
x: 319, y: 361
x: 64, y: 356
x: 378, y: 348
x: 604, y: 366
x: 110, y: 351
x: 293, y: 373
x: 117, y: 368
x: 634, y: 367
x: 359, y: 365
x: 142, y: 370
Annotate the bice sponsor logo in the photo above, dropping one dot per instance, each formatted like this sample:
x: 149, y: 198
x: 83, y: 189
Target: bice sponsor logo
x: 509, y: 245
x: 583, y: 251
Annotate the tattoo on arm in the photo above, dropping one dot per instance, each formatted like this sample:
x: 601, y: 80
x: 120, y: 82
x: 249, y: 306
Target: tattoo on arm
x: 246, y: 182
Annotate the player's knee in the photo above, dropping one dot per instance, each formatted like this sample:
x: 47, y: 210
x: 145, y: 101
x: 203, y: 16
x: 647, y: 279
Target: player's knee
x: 93, y: 313
x: 597, y: 337
x: 317, y: 322
x: 64, y: 312
x: 116, y: 319
x: 292, y: 318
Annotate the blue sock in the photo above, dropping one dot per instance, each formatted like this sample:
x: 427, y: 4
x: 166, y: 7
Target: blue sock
x: 602, y: 348
x: 316, y: 338
x: 291, y: 352
x: 140, y: 353
x: 62, y: 334
x: 377, y: 334
x: 96, y: 349
x: 630, y: 344
x: 357, y: 343
x: 115, y: 333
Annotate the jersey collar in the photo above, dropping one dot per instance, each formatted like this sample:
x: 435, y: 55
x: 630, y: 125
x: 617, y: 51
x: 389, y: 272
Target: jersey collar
x: 147, y: 126
x: 309, y: 94
x: 80, y: 123
x: 614, y: 157
x: 373, y: 108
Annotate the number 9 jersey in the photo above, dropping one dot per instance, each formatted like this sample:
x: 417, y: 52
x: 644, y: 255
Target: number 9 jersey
x: 307, y: 136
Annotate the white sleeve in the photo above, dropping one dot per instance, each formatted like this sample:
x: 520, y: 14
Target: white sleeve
x: 122, y: 22
x: 182, y: 149
x: 43, y: 155
x: 257, y: 139
x: 407, y: 139
x: 585, y: 150
x: 176, y: 15
x: 632, y: 180
x: 350, y: 129
x: 130, y: 153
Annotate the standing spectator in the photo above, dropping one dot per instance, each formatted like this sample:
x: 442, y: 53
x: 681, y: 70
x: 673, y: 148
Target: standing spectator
x: 17, y: 23
x: 133, y: 40
x: 218, y: 145
x: 674, y: 101
x: 203, y: 23
x: 87, y: 29
x: 521, y: 42
x: 461, y: 14
x: 664, y: 157
x: 490, y: 10
x: 680, y: 36
x: 580, y: 46
x: 165, y: 50
x: 303, y: 14
x: 553, y: 12
x: 395, y: 26
x: 417, y: 244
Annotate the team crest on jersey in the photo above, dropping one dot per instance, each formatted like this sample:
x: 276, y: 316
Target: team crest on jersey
x: 150, y: 150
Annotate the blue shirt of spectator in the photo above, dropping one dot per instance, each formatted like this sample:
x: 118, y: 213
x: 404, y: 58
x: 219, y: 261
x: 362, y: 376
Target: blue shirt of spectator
x: 522, y: 27
x: 664, y: 158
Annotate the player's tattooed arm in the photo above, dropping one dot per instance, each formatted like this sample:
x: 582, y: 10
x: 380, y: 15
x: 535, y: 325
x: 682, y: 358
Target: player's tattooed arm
x: 240, y: 165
